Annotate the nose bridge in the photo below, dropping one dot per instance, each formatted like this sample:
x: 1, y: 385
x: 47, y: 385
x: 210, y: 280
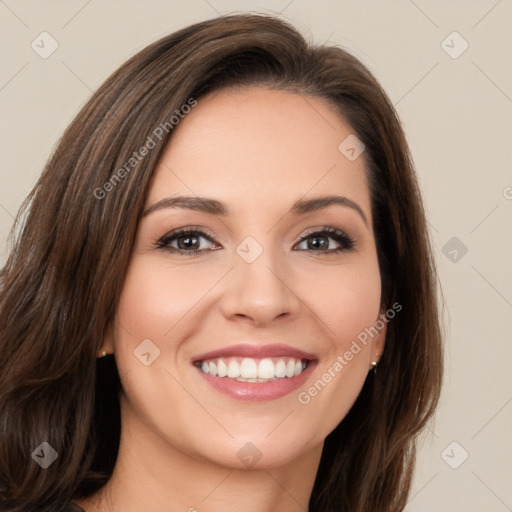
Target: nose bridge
x: 258, y: 287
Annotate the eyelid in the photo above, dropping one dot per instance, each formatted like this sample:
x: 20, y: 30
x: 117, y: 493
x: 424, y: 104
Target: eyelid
x: 198, y: 230
x: 339, y: 235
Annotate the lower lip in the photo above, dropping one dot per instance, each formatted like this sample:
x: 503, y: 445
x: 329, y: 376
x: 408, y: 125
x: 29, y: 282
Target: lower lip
x: 258, y: 391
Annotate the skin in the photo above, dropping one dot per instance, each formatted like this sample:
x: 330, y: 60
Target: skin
x: 259, y: 151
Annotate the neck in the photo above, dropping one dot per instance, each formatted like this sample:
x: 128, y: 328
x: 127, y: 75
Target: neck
x: 151, y: 474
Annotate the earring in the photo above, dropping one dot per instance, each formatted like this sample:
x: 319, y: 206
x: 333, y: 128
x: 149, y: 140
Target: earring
x: 103, y: 354
x: 374, y: 365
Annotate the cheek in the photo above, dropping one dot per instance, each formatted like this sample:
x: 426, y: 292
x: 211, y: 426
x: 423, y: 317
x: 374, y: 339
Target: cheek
x: 356, y: 309
x: 155, y: 298
x: 346, y: 299
x: 154, y: 303
x: 348, y: 302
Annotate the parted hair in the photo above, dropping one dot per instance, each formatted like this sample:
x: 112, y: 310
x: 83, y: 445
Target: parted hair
x: 71, y: 246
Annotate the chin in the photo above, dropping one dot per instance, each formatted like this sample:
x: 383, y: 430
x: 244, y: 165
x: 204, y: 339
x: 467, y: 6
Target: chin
x: 256, y: 450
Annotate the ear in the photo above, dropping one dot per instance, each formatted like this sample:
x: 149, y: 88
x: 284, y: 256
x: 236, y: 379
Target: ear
x: 108, y: 341
x: 379, y: 341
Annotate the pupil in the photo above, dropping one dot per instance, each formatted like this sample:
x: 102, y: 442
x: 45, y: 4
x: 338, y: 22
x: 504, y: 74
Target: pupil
x: 318, y: 245
x: 186, y: 241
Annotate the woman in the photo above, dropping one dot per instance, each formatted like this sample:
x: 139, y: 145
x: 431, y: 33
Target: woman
x: 232, y: 228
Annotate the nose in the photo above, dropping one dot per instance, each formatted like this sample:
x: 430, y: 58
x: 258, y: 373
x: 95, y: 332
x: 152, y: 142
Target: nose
x: 259, y: 292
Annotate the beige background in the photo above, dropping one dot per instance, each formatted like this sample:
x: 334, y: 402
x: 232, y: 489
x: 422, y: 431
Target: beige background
x: 457, y: 113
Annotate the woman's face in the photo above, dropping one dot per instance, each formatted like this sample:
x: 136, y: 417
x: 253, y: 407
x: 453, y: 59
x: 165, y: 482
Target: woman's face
x: 243, y: 296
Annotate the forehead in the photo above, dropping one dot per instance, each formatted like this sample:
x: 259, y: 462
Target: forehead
x: 258, y: 148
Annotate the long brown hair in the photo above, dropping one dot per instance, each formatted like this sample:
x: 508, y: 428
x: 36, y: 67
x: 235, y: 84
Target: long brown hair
x: 60, y: 286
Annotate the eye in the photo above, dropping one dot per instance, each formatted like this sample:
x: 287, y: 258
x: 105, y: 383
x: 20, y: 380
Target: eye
x: 318, y: 241
x: 185, y: 241
x: 191, y: 241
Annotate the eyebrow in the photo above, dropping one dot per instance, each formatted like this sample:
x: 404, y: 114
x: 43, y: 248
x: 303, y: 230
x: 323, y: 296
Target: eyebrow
x: 215, y: 207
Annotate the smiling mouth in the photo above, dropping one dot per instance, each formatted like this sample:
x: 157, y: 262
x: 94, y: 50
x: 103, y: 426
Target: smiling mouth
x: 255, y: 371
x: 248, y: 369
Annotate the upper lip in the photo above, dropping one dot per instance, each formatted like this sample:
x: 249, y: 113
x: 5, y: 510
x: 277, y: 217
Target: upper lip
x: 255, y: 351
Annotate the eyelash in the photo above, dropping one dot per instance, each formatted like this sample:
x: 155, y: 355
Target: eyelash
x: 347, y: 242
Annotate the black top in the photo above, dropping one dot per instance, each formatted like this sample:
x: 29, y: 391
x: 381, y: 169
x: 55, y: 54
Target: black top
x: 70, y: 507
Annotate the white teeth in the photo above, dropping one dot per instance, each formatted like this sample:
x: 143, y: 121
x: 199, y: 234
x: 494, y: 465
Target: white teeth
x: 241, y: 379
x: 266, y: 369
x: 222, y: 369
x: 233, y: 370
x: 280, y: 368
x: 290, y: 368
x: 248, y: 369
